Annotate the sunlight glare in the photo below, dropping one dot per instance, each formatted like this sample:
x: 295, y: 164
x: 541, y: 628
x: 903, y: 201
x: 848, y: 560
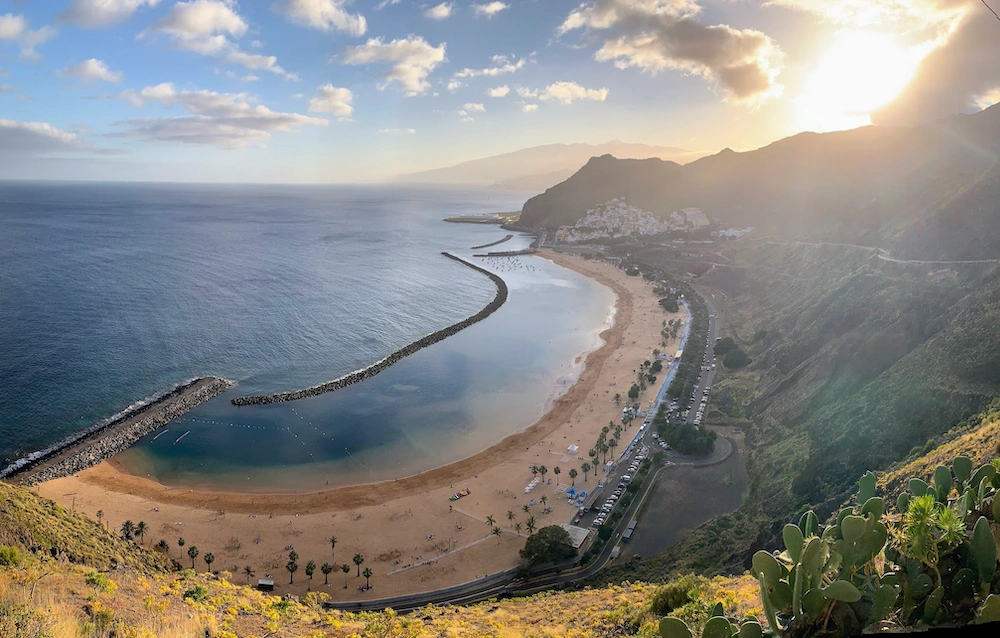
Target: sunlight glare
x: 859, y: 73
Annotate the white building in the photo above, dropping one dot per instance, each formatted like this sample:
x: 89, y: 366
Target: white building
x: 614, y: 219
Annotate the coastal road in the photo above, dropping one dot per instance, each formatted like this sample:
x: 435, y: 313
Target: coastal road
x: 707, y: 376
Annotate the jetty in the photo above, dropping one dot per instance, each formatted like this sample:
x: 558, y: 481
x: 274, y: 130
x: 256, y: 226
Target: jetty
x: 366, y: 373
x: 499, y: 241
x: 488, y: 218
x: 112, y: 436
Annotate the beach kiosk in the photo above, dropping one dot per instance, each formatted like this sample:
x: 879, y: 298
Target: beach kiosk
x: 265, y: 584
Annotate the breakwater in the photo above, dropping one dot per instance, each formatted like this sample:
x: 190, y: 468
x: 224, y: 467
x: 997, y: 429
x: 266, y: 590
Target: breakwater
x: 509, y: 253
x: 386, y: 362
x: 499, y: 241
x: 114, y: 435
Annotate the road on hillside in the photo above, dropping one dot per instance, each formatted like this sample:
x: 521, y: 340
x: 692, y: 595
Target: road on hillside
x: 707, y: 376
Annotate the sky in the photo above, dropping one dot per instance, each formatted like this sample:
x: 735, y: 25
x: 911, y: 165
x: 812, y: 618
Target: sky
x: 332, y: 91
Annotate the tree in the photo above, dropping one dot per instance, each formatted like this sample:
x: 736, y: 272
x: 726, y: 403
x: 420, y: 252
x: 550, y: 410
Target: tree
x: 128, y: 530
x: 496, y: 532
x: 510, y: 516
x: 368, y: 574
x: 572, y: 476
x: 617, y: 399
x: 534, y: 470
x: 557, y: 472
x: 141, y: 530
x: 293, y: 555
x: 543, y: 500
x: 517, y: 528
x: 531, y: 525
x: 358, y: 559
x: 586, y: 468
x: 292, y: 567
x: 604, y: 453
x: 543, y: 471
x: 333, y: 544
x: 180, y: 543
x: 326, y: 569
x: 592, y: 453
x: 310, y: 570
x: 347, y: 570
x: 736, y: 359
x: 163, y: 546
x: 209, y: 559
x: 490, y: 520
x: 192, y: 554
x: 612, y: 444
x: 551, y: 544
x: 633, y: 392
x: 526, y: 508
x: 100, y: 516
x: 248, y: 572
x: 725, y: 345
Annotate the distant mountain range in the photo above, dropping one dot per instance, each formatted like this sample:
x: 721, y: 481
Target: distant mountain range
x: 845, y: 183
x: 540, y: 167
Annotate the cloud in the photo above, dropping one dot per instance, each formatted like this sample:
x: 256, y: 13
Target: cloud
x: 14, y: 28
x: 440, y: 12
x: 500, y: 91
x: 564, y: 93
x: 94, y: 14
x: 249, y: 77
x: 502, y: 65
x: 475, y: 107
x: 325, y: 15
x: 332, y: 99
x: 489, y: 9
x: 7, y: 88
x: 412, y: 60
x: 454, y: 85
x: 91, y: 70
x: 529, y: 108
x: 397, y: 131
x: 206, y: 26
x: 653, y: 35
x: 386, y: 3
x: 40, y: 138
x: 224, y: 120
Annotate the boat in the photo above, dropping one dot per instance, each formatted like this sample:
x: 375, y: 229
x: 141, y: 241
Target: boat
x: 458, y: 495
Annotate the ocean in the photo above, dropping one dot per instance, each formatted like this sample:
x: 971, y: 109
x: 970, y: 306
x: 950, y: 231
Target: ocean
x: 110, y: 293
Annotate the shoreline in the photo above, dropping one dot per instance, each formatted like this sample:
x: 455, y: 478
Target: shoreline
x: 389, y: 360
x: 113, y: 476
x: 108, y: 439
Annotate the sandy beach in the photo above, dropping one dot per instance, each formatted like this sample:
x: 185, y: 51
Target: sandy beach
x: 410, y: 534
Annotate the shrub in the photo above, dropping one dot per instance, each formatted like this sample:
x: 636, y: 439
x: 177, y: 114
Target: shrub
x: 736, y: 359
x: 197, y: 593
x: 10, y: 556
x: 676, y: 593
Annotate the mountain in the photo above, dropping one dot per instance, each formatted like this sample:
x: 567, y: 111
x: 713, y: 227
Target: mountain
x: 540, y: 166
x: 799, y: 184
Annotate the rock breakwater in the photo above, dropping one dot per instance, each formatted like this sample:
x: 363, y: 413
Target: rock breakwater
x: 114, y: 436
x: 405, y: 351
x: 499, y: 241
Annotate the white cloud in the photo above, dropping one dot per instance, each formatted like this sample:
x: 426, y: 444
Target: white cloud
x: 653, y: 35
x: 440, y: 12
x: 489, y: 9
x: 325, y: 15
x: 397, y: 131
x: 529, y: 108
x: 93, y: 14
x: 500, y: 91
x: 256, y: 44
x: 501, y: 65
x: 206, y: 26
x: 14, y: 28
x: 224, y: 120
x: 91, y: 70
x: 564, y: 93
x: 475, y: 107
x: 249, y: 77
x: 412, y: 60
x: 454, y: 85
x: 332, y: 99
x: 386, y: 3
x: 7, y: 88
x: 39, y: 138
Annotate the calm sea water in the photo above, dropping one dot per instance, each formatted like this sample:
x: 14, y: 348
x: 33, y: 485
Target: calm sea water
x: 110, y: 293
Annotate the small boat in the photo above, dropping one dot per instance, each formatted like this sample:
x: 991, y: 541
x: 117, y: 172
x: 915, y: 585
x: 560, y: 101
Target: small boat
x: 458, y: 495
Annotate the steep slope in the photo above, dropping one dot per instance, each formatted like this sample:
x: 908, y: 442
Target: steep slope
x: 539, y: 161
x: 802, y: 184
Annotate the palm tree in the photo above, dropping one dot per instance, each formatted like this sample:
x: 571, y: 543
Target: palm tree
x: 358, y: 559
x: 310, y: 570
x: 543, y: 500
x: 209, y: 559
x: 192, y: 554
x: 543, y: 471
x: 607, y: 428
x: 163, y: 546
x: 592, y: 453
x: 526, y: 508
x: 292, y: 567
x: 586, y: 468
x: 612, y: 444
x: 141, y: 529
x: 293, y: 555
x: 128, y: 530
x: 557, y: 472
x: 604, y: 453
x: 368, y: 574
x: 490, y: 520
x: 333, y: 544
x: 572, y: 476
x: 517, y: 528
x: 248, y: 572
x: 180, y: 543
x: 100, y: 516
x: 496, y: 532
x: 534, y: 470
x: 347, y: 570
x: 326, y: 569
x: 618, y: 431
x: 617, y: 399
x: 531, y: 525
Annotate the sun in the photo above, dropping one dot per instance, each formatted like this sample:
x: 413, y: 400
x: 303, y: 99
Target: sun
x: 860, y: 72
